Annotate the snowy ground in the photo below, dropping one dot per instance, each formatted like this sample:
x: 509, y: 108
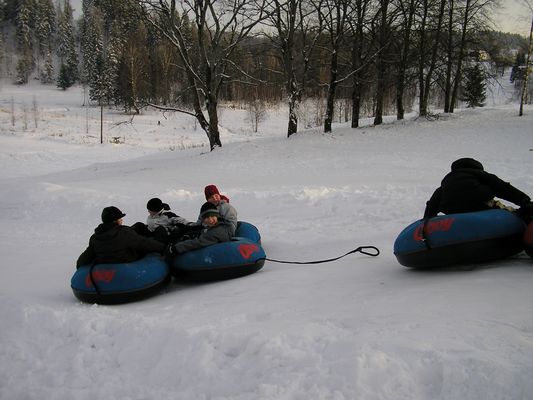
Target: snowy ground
x: 358, y: 328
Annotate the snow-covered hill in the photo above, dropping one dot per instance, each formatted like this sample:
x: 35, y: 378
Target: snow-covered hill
x: 358, y: 328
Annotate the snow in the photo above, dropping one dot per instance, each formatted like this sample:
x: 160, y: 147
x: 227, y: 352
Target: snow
x: 358, y: 328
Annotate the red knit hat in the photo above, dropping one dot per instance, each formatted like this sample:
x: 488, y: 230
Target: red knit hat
x: 210, y: 190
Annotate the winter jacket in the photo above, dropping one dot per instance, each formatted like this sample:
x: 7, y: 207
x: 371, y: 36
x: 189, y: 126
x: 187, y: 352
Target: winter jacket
x: 221, y: 232
x: 112, y: 243
x: 165, y: 218
x: 471, y: 189
x: 228, y: 213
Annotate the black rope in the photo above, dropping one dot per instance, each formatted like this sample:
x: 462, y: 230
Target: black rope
x: 367, y: 250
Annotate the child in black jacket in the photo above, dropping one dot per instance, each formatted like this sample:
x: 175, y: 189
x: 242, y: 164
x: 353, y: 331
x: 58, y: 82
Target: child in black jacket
x: 469, y: 188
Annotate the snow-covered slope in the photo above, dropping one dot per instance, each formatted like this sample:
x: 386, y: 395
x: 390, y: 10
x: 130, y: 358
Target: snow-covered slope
x: 358, y: 328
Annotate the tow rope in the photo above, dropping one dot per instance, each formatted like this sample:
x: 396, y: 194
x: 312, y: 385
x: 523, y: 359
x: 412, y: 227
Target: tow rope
x: 366, y: 250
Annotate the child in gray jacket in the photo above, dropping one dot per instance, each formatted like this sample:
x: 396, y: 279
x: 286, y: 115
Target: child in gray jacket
x: 215, y: 230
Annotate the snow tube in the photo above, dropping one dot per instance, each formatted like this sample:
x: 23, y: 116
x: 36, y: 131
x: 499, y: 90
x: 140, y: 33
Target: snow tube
x: 460, y: 239
x: 241, y: 256
x: 528, y: 239
x: 120, y: 283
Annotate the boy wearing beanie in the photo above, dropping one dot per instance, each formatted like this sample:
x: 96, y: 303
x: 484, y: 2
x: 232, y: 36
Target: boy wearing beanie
x: 227, y: 212
x: 113, y: 242
x: 215, y: 230
x: 161, y: 223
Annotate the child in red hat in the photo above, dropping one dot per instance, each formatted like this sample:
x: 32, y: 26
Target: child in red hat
x: 227, y: 212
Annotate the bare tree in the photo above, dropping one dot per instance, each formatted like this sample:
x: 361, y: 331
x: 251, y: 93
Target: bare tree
x: 431, y: 21
x: 333, y: 14
x: 296, y: 35
x: 470, y: 13
x: 218, y: 28
x: 385, y: 17
x: 407, y: 11
x: 528, y: 60
x: 359, y: 64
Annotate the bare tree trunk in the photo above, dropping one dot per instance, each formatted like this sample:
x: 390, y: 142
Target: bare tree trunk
x: 293, y: 92
x: 330, y: 102
x: 460, y: 58
x: 402, y: 65
x: 422, y: 107
x: 290, y: 19
x: 526, y: 78
x: 380, y: 64
x: 449, y: 61
x: 213, y: 132
x: 357, y: 62
x: 425, y: 70
x: 335, y: 20
x: 436, y: 46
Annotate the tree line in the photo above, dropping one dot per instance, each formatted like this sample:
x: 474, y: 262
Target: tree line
x: 377, y: 56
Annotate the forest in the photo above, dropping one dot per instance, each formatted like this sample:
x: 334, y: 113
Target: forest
x: 351, y: 58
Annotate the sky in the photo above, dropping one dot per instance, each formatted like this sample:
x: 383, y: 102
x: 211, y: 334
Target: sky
x: 514, y: 16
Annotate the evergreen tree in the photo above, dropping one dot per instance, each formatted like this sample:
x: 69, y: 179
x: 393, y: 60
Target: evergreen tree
x: 25, y: 27
x: 91, y: 42
x: 64, y: 80
x: 473, y: 90
x: 67, y: 44
x: 108, y: 82
x: 45, y: 21
x: 47, y: 73
x: 45, y: 26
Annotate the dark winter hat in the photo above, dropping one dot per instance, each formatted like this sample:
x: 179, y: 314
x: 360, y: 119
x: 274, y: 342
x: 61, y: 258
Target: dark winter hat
x: 154, y: 205
x: 210, y: 190
x: 208, y: 209
x: 111, y: 214
x: 466, y: 163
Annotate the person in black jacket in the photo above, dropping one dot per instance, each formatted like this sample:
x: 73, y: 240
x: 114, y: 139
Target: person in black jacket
x: 469, y: 188
x: 113, y: 242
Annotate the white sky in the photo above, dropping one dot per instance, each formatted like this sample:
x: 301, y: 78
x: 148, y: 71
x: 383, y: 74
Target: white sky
x: 514, y: 16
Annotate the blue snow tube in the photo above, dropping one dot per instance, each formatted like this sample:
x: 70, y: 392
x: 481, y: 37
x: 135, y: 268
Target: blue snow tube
x: 455, y: 239
x: 120, y: 283
x: 241, y: 256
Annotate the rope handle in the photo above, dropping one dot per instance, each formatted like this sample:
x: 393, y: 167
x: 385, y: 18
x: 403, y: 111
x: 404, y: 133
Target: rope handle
x: 372, y: 251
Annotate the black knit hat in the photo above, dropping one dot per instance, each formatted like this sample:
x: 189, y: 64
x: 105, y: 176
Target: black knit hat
x: 208, y: 209
x: 469, y: 163
x: 154, y: 205
x: 111, y: 214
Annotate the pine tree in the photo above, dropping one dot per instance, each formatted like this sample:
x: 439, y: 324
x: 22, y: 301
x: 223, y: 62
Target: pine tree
x: 91, y: 42
x: 25, y: 27
x: 64, y: 79
x: 45, y: 21
x: 473, y: 90
x: 67, y: 43
x: 47, y: 73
